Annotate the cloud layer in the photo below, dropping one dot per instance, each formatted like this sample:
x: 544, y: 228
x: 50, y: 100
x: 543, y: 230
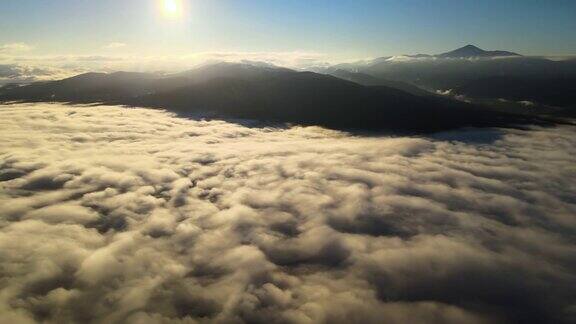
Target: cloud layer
x: 15, y: 68
x: 111, y: 214
x: 24, y: 73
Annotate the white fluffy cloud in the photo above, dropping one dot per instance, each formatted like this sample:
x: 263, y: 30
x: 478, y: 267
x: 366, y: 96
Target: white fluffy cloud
x: 112, y: 214
x: 29, y: 68
x: 24, y: 73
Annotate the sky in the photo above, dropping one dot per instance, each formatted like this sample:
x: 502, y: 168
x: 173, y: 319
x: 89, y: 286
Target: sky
x: 82, y: 35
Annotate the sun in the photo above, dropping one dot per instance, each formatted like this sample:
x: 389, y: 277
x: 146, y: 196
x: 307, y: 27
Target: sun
x: 172, y: 8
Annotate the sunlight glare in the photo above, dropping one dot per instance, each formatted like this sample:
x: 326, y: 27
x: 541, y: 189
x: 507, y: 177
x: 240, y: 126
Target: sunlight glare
x: 172, y: 8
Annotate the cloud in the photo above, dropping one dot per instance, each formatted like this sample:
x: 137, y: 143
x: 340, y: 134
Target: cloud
x: 106, y: 62
x: 15, y: 48
x: 111, y: 214
x: 24, y: 68
x: 23, y: 73
x: 114, y: 45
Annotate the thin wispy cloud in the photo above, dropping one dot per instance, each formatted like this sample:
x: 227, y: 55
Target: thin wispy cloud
x: 13, y: 48
x: 114, y: 46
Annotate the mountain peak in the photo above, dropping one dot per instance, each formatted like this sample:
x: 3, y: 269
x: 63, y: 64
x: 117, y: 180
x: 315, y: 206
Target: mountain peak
x: 469, y: 51
x: 471, y: 47
x: 466, y: 51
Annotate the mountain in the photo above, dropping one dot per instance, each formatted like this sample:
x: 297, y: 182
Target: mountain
x: 420, y: 56
x: 451, y: 69
x: 557, y: 91
x: 471, y: 51
x: 368, y: 80
x: 88, y: 87
x: 267, y: 93
x: 244, y: 71
x: 468, y: 51
x: 442, y: 74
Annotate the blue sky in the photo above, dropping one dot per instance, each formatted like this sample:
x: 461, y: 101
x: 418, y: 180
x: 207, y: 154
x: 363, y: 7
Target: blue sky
x: 341, y: 28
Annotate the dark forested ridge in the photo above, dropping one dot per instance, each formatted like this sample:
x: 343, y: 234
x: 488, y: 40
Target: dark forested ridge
x: 556, y: 91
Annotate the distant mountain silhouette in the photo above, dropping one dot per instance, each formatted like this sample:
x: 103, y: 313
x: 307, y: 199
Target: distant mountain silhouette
x: 420, y: 55
x: 453, y: 69
x: 445, y: 74
x: 267, y: 93
x: 470, y: 51
x: 243, y: 71
x: 466, y: 52
x: 558, y: 91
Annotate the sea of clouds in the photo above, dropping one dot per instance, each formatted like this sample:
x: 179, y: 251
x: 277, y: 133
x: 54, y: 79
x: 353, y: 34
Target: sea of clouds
x: 118, y: 215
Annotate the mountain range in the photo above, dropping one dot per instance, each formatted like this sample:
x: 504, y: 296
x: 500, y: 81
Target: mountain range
x: 268, y: 93
x: 384, y: 94
x: 465, y: 52
x: 469, y: 71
